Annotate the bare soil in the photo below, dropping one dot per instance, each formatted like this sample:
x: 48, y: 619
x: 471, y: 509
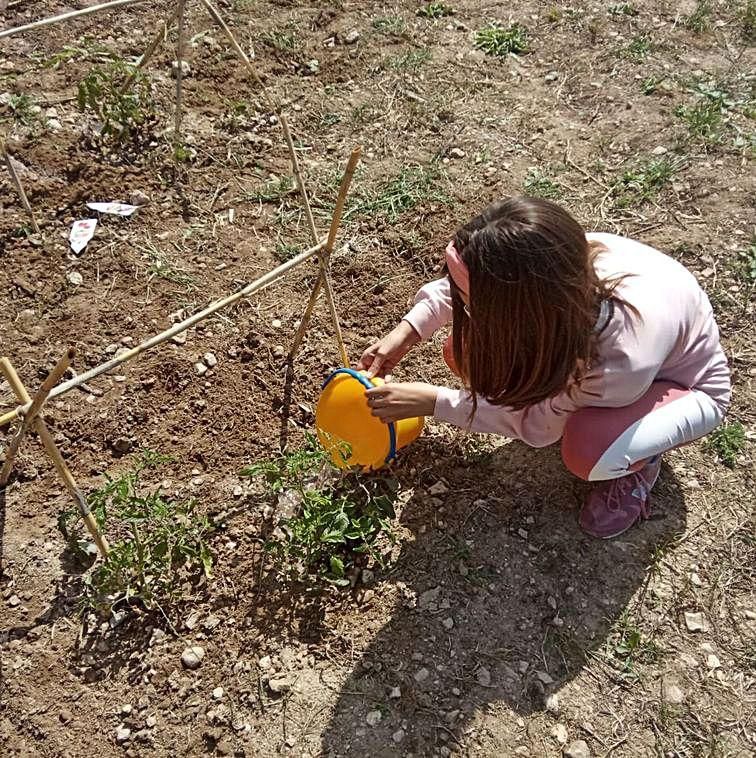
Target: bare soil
x: 505, y: 630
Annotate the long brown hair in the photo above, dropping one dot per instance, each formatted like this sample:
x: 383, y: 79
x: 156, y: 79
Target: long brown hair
x: 534, y: 300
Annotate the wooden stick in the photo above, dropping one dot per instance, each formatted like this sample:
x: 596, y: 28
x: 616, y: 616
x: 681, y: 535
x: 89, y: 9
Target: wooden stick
x: 159, y: 37
x: 323, y: 277
x: 19, y: 187
x: 67, y: 16
x: 179, y: 77
x: 273, y: 105
x: 52, y: 379
x: 54, y: 454
x: 254, y: 286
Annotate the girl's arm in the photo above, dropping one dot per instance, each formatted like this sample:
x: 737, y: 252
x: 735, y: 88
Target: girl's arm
x: 432, y: 309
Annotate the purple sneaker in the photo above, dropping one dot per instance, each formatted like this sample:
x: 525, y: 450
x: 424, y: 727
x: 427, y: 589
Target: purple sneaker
x: 614, y: 506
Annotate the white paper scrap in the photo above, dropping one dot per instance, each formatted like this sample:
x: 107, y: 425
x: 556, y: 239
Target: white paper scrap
x: 118, y: 209
x: 81, y: 232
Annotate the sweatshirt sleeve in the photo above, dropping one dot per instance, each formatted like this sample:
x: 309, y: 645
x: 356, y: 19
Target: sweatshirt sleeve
x: 537, y: 425
x: 432, y: 308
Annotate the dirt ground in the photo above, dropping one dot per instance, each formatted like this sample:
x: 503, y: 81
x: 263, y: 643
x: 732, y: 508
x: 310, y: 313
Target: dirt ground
x: 498, y: 629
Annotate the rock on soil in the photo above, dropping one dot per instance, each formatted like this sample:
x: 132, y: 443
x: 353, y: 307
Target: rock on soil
x: 577, y: 749
x: 192, y: 657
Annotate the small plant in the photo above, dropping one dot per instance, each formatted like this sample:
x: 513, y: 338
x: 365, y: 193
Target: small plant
x: 622, y: 9
x: 285, y: 251
x: 747, y: 267
x: 411, y: 60
x: 727, y: 441
x: 638, y: 49
x: 282, y: 40
x: 332, y: 517
x: 390, y: 25
x: 163, y: 543
x: 554, y: 15
x: 161, y: 267
x: 700, y: 20
x: 123, y: 116
x: 497, y: 40
x: 25, y: 110
x: 538, y: 185
x: 643, y: 183
x: 650, y: 84
x: 704, y: 119
x: 435, y: 10
x: 272, y: 191
x: 627, y: 647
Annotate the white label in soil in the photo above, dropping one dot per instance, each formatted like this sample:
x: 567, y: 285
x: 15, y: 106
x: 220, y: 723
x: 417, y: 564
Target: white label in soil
x: 81, y: 232
x: 118, y: 209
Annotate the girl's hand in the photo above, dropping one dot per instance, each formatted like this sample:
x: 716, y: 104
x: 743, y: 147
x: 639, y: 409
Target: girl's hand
x: 395, y: 401
x: 382, y: 356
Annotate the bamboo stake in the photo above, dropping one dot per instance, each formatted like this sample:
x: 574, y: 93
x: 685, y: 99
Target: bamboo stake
x: 104, y: 368
x: 179, y: 76
x: 57, y: 459
x: 150, y: 50
x: 67, y: 16
x: 273, y: 105
x: 52, y: 379
x: 19, y: 187
x: 323, y: 277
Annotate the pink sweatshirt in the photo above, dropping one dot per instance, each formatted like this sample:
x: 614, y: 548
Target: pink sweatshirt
x: 676, y: 339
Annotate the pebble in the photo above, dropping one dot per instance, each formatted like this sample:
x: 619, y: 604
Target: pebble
x: 186, y: 69
x: 398, y: 735
x: 351, y: 37
x: 279, y: 685
x: 192, y: 657
x: 265, y: 663
x: 218, y: 693
x: 179, y: 339
x: 552, y: 703
x: 671, y: 693
x: 559, y: 733
x: 552, y: 76
x: 695, y: 580
x: 75, y: 278
x: 65, y: 716
x: 238, y: 491
x: 367, y: 576
x: 138, y: 197
x: 439, y: 488
x: 456, y: 152
x: 122, y: 445
x: 374, y: 718
x: 422, y: 675
x: 276, y: 323
x: 200, y: 368
x: 695, y: 621
x: 577, y: 749
x: 278, y: 351
x: 395, y: 693
x: 123, y: 734
x: 750, y: 615
x: 210, y: 360
x: 483, y: 676
x: 14, y: 600
x: 543, y: 677
x: 712, y: 661
x: 126, y: 709
x: 54, y: 125
x: 150, y: 721
x: 448, y: 623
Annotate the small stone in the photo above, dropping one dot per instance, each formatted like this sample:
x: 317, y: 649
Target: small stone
x: 122, y: 445
x: 523, y: 533
x: 179, y: 339
x: 543, y: 677
x: 139, y: 198
x: 278, y: 351
x: 671, y: 693
x: 395, y: 693
x: 422, y: 675
x: 14, y: 600
x: 186, y: 69
x: 200, y: 368
x: 552, y: 76
x: 218, y: 693
x: 439, y: 488
x: 265, y: 663
x: 280, y: 684
x: 456, y: 691
x: 351, y: 37
x: 483, y: 676
x: 374, y: 718
x: 126, y: 709
x: 559, y: 733
x: 577, y: 749
x: 750, y: 615
x: 398, y: 735
x: 456, y: 152
x: 428, y: 598
x: 448, y: 623
x: 695, y: 580
x: 150, y: 722
x: 65, y: 716
x: 238, y: 491
x: 367, y: 576
x: 552, y: 703
x: 695, y: 621
x: 712, y: 661
x: 276, y: 323
x: 210, y: 360
x: 75, y: 278
x: 661, y: 150
x: 123, y: 734
x: 192, y: 657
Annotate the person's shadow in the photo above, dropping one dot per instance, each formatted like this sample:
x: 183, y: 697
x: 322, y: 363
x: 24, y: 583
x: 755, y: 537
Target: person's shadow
x: 502, y: 598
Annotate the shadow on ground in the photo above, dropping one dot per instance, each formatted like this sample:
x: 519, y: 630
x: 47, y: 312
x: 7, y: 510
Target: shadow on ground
x: 516, y: 599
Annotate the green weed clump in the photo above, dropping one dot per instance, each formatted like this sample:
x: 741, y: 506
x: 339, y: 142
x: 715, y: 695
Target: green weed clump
x: 162, y: 544
x: 727, y: 441
x: 700, y: 20
x: 435, y: 10
x: 622, y: 9
x: 333, y: 517
x: 537, y: 184
x: 124, y: 116
x: 497, y: 40
x: 643, y: 183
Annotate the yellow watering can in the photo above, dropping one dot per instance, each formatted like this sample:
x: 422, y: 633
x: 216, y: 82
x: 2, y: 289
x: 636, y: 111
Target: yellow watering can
x: 347, y: 429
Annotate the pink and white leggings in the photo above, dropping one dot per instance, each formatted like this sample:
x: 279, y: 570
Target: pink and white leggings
x: 607, y: 443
